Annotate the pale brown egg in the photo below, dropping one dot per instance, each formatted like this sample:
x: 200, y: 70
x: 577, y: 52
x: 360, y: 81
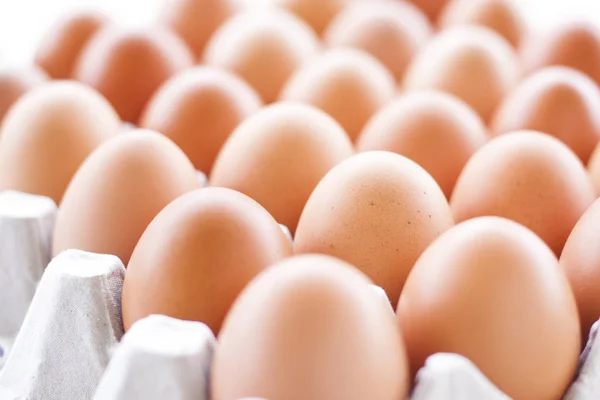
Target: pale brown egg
x: 264, y: 47
x: 594, y: 169
x: 492, y: 291
x: 432, y: 8
x: 196, y: 20
x: 581, y: 260
x: 117, y: 192
x: 347, y: 84
x: 376, y: 210
x: 62, y: 45
x: 502, y: 16
x: 128, y: 65
x: 473, y: 63
x: 15, y: 82
x: 390, y: 31
x: 316, y: 13
x: 223, y: 240
x: 434, y: 129
x: 575, y: 45
x: 198, y: 109
x: 48, y: 133
x: 310, y: 327
x: 279, y: 155
x: 558, y: 101
x: 529, y: 177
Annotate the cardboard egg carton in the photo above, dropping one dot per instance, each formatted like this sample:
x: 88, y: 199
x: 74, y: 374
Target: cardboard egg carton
x: 71, y: 344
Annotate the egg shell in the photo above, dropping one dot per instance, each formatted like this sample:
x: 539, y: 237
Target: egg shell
x: 48, y: 133
x: 574, y: 44
x: 266, y: 157
x: 117, y: 192
x: 475, y: 64
x: 62, y: 45
x: 528, y: 177
x: 378, y: 211
x: 436, y: 130
x: 558, y: 101
x: 594, y: 169
x: 492, y: 291
x: 581, y: 260
x: 348, y: 84
x: 287, y: 337
x: 392, y: 32
x: 264, y: 47
x: 128, y: 65
x: 316, y: 13
x: 432, y: 8
x: 196, y: 20
x: 198, y: 109
x: 15, y: 82
x: 198, y: 254
x: 502, y: 16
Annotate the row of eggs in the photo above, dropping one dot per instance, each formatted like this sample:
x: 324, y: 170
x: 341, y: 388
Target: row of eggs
x: 487, y: 288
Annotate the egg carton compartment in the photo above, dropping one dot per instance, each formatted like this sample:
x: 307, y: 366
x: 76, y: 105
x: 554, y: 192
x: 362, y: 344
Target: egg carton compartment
x: 71, y: 343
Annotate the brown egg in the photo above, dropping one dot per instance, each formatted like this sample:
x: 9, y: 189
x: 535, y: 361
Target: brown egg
x: 492, y: 291
x: 15, y: 82
x: 530, y: 178
x: 575, y: 45
x: 378, y: 211
x: 434, y: 129
x: 63, y: 44
x: 278, y: 157
x: 198, y: 109
x: 594, y: 169
x: 48, y: 133
x: 472, y: 63
x: 196, y: 20
x: 432, y: 8
x: 117, y: 192
x: 581, y: 260
x: 558, y: 101
x: 317, y: 13
x: 310, y: 327
x: 348, y: 84
x: 223, y: 240
x: 127, y: 66
x: 392, y: 32
x: 502, y: 16
x: 264, y: 47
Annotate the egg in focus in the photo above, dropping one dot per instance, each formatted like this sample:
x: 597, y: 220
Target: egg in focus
x: 288, y: 337
x: 491, y: 290
x: 15, y: 82
x: 198, y: 109
x: 347, y: 84
x: 117, y: 192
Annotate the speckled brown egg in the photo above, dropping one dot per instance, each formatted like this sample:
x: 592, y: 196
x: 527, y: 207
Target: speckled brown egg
x: 196, y: 20
x: 264, y: 47
x: 279, y: 155
x: 390, y: 31
x: 376, y: 210
x: 310, y: 327
x: 348, y: 84
x: 491, y: 290
x: 316, y: 13
x: 48, y: 133
x: 473, y: 63
x: 62, y: 45
x: 223, y: 240
x: 529, y: 177
x: 502, y: 16
x: 436, y: 130
x: 117, y: 192
x: 558, y: 101
x: 128, y: 65
x: 198, y: 109
x: 15, y: 82
x: 574, y: 44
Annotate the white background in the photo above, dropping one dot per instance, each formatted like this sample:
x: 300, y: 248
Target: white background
x: 24, y: 22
